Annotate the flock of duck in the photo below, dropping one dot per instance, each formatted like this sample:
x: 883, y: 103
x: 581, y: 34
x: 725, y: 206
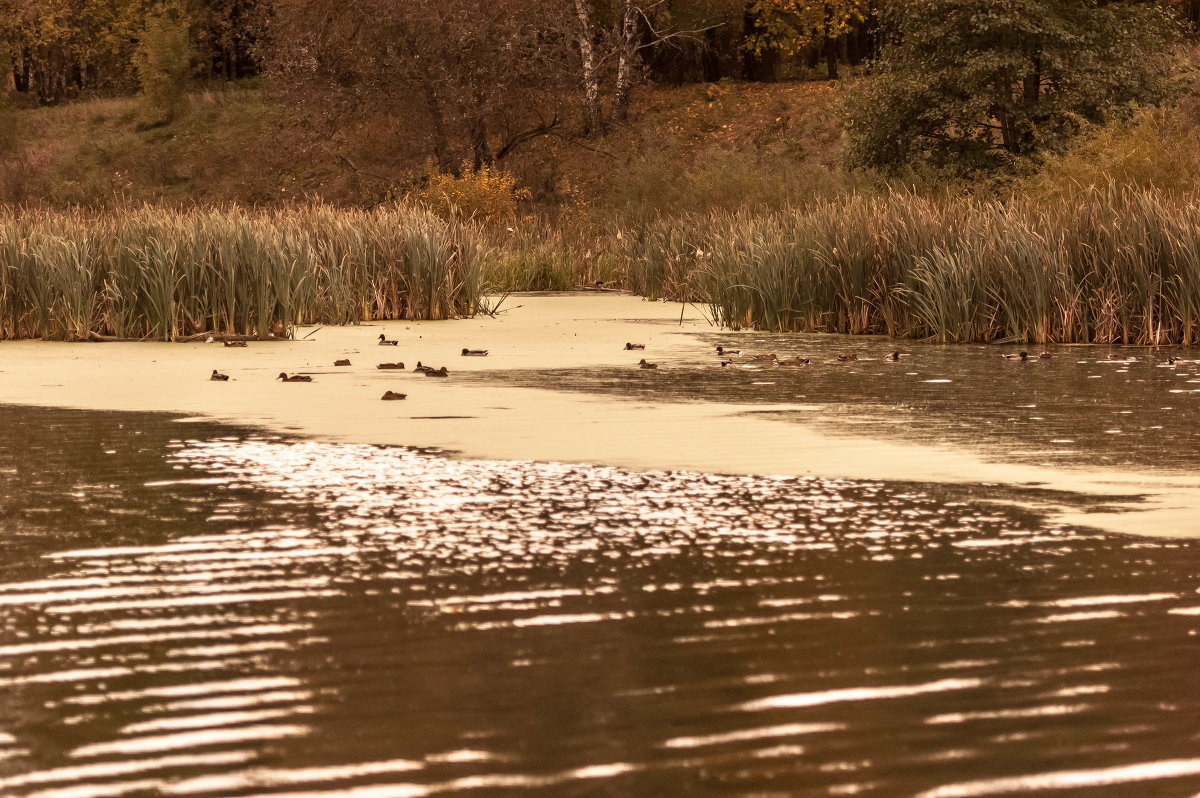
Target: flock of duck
x: 389, y: 396
x: 729, y: 357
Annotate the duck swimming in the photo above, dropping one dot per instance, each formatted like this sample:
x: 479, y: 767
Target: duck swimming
x: 219, y: 377
x: 390, y: 366
x: 629, y: 346
x: 384, y: 341
x: 793, y: 361
x: 474, y: 352
x: 294, y: 378
x: 771, y: 358
x: 235, y: 343
x: 894, y: 357
x: 847, y: 358
x: 420, y: 369
x: 341, y: 362
x: 1022, y: 356
x: 642, y: 364
x: 442, y: 372
x: 722, y: 351
x: 391, y: 396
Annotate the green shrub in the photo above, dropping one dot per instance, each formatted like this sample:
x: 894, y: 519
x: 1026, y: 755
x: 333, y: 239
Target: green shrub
x: 162, y: 60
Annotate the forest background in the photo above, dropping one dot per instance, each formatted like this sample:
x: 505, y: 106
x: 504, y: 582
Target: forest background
x: 663, y: 105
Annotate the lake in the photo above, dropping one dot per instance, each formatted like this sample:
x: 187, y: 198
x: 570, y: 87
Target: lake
x: 190, y: 609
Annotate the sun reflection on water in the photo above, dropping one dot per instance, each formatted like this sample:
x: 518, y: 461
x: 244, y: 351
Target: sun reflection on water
x: 329, y: 619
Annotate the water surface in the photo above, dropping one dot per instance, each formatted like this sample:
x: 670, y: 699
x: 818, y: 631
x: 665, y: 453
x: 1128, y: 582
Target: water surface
x: 1084, y: 407
x: 193, y: 610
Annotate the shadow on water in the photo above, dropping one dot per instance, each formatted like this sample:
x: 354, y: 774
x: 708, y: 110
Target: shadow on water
x: 196, y: 610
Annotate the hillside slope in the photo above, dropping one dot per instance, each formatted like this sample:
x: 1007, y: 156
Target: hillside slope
x: 723, y: 145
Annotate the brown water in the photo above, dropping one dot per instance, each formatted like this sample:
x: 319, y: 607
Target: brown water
x: 191, y: 610
x: 1087, y: 406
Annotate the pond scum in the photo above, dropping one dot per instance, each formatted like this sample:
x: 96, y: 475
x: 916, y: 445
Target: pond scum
x: 159, y: 274
x: 1108, y: 266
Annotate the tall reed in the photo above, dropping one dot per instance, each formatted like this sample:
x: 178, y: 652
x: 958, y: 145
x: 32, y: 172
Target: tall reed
x: 153, y: 273
x: 1109, y: 266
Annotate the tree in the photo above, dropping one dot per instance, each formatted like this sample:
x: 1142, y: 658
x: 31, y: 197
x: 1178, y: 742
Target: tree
x: 61, y: 48
x: 465, y: 80
x: 980, y: 83
x: 620, y: 31
x: 163, y: 63
x: 792, y: 26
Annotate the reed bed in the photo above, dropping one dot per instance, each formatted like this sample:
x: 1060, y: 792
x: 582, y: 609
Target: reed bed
x: 1108, y: 266
x: 157, y: 274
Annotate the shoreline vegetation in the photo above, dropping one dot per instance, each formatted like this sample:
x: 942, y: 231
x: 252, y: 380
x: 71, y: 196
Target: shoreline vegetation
x: 163, y: 274
x: 1115, y: 266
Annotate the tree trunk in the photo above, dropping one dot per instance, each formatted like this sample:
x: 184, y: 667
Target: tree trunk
x: 437, y: 123
x: 620, y: 105
x: 1191, y: 12
x: 831, y: 57
x: 594, y: 115
x: 479, y: 144
x: 1032, y: 84
x: 21, y: 72
x: 710, y: 61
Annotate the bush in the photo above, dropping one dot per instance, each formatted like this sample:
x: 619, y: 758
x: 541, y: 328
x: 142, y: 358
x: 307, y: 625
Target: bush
x: 489, y: 194
x: 1156, y: 149
x: 163, y: 60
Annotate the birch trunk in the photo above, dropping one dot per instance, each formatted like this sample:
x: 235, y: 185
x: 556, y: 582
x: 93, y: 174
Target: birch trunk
x: 625, y: 64
x: 591, y: 78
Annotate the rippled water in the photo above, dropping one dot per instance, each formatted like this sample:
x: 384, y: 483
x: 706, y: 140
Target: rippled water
x: 190, y: 610
x: 1090, y: 406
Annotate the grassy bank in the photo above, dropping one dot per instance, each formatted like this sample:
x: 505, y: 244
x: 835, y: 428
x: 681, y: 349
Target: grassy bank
x: 1115, y: 266
x: 160, y: 274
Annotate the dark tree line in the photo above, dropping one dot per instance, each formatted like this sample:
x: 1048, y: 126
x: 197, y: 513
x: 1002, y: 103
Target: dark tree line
x: 60, y: 49
x: 468, y: 82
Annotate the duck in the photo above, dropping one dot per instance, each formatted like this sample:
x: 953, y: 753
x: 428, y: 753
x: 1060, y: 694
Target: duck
x: 474, y: 352
x: 385, y: 341
x: 847, y: 358
x: 643, y: 364
x: 793, y: 361
x: 421, y: 369
x: 442, y: 372
x: 235, y: 343
x: 219, y: 377
x: 342, y: 362
x: 771, y: 358
x: 1045, y: 356
x: 390, y: 366
x: 894, y: 357
x: 1171, y: 361
x: 1022, y: 356
x: 629, y: 346
x: 294, y: 378
x: 391, y: 396
x: 722, y: 351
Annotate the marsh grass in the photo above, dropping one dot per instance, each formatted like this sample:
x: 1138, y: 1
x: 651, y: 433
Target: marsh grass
x: 153, y: 273
x: 1106, y: 266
